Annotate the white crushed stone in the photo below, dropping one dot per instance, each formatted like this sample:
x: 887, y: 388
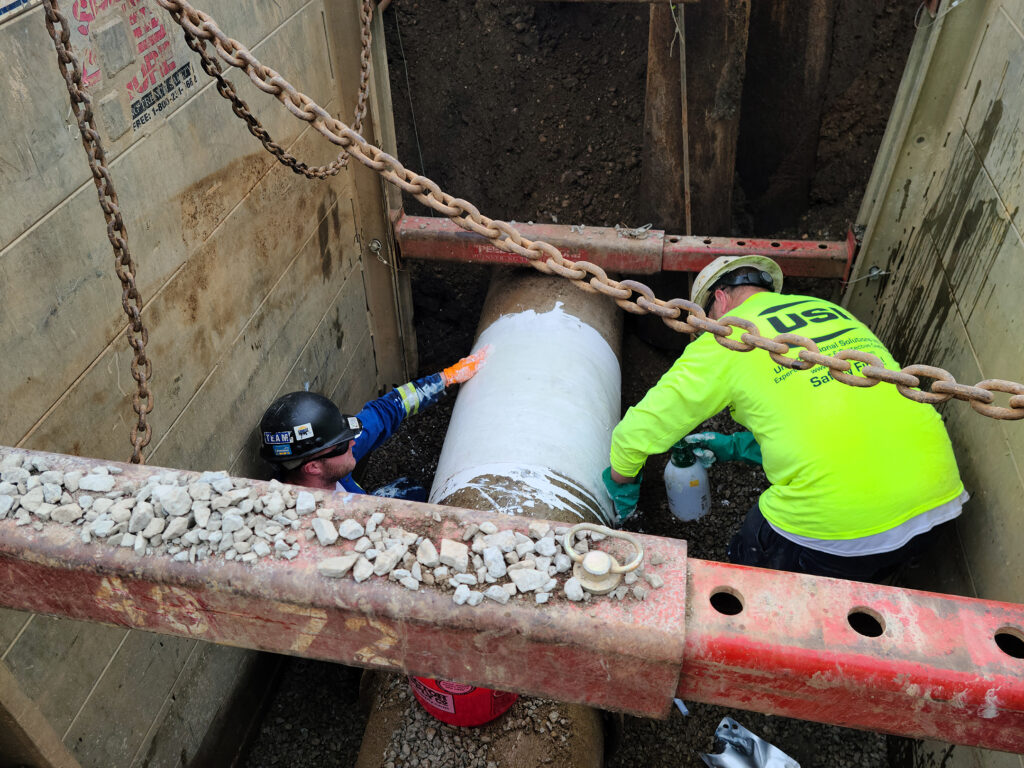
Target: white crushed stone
x: 337, y: 567
x: 305, y: 503
x: 454, y: 554
x: 488, y: 527
x: 325, y: 531
x: 100, y: 483
x: 350, y: 529
x: 426, y: 554
x: 497, y: 594
x: 573, y: 589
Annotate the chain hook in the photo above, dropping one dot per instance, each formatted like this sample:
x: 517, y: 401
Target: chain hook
x: 597, y: 571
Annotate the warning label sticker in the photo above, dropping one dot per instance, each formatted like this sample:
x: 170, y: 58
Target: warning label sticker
x: 442, y: 701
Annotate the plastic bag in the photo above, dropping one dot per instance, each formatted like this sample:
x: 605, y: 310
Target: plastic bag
x: 739, y: 748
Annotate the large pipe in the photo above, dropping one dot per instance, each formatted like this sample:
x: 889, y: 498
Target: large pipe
x: 529, y: 436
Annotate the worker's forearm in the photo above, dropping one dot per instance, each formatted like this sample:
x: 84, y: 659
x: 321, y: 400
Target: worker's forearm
x: 622, y: 479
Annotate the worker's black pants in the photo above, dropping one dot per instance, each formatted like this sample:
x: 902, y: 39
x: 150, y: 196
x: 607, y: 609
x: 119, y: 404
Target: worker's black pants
x: 760, y: 545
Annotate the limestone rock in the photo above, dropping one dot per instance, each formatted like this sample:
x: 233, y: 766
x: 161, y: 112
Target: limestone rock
x: 503, y: 540
x: 172, y: 499
x: 528, y: 579
x: 155, y: 527
x: 72, y: 480
x: 176, y: 527
x: 495, y: 562
x: 337, y: 567
x: 305, y: 503
x: 461, y: 594
x: 573, y: 589
x: 475, y: 598
x: 6, y: 504
x: 350, y: 529
x: 497, y: 594
x: 426, y: 554
x: 362, y: 570
x: 454, y: 554
x: 325, y: 531
x: 388, y: 559
x: 96, y: 482
x: 488, y: 528
x: 66, y: 513
x: 200, y: 491
x: 32, y: 500
x: 546, y: 547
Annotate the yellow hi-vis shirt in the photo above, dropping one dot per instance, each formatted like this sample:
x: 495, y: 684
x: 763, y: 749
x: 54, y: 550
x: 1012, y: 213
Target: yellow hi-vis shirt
x: 844, y: 462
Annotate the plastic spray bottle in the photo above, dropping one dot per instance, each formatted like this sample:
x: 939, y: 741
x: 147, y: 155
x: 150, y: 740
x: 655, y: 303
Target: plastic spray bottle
x: 686, y: 483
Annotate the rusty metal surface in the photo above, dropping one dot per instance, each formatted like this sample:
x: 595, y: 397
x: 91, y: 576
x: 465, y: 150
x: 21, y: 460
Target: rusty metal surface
x: 433, y: 239
x: 797, y: 258
x: 935, y: 671
x: 425, y: 237
x: 603, y: 653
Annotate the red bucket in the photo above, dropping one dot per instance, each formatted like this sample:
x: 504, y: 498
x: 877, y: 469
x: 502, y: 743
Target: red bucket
x: 460, y: 704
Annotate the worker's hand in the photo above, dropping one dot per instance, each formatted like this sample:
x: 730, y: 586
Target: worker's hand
x: 466, y: 368
x: 704, y: 456
x: 623, y: 495
x: 740, y: 446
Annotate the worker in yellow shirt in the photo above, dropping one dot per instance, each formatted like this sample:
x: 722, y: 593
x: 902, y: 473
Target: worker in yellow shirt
x: 859, y: 476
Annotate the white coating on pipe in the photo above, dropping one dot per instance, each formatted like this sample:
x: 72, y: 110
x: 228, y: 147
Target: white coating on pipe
x: 545, y: 401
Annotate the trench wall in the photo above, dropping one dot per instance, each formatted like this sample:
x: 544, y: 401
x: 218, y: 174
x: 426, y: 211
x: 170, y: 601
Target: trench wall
x: 943, y: 219
x: 256, y: 282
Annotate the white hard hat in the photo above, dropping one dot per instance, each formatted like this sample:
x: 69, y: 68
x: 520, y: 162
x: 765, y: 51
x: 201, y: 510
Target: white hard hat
x: 707, y: 277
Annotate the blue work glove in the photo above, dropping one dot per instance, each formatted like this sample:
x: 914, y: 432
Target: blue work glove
x: 623, y: 495
x: 709, y: 446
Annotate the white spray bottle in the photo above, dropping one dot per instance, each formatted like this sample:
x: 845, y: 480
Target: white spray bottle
x: 686, y: 483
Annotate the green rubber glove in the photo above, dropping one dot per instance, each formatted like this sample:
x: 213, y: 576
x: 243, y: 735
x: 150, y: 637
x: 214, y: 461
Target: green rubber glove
x: 623, y: 495
x: 740, y: 446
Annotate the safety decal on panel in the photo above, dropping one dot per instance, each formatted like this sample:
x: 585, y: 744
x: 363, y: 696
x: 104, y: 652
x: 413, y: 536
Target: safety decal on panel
x: 275, y: 438
x: 304, y: 431
x: 8, y: 9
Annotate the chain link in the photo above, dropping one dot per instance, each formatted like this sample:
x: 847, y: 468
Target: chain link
x: 546, y: 258
x: 213, y: 68
x: 124, y: 265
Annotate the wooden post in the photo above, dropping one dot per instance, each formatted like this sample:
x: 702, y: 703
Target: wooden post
x: 665, y: 177
x: 784, y: 93
x: 716, y: 51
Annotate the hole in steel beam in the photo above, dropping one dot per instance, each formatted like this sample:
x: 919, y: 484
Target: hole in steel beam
x: 707, y: 241
x: 726, y: 600
x: 775, y: 245
x: 822, y: 247
x: 741, y: 242
x: 674, y: 239
x: 867, y: 622
x: 1011, y: 642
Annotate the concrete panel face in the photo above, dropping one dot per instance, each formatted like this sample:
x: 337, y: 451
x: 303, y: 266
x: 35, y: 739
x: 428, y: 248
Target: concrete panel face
x: 944, y: 219
x: 58, y: 661
x: 62, y: 268
x: 254, y: 284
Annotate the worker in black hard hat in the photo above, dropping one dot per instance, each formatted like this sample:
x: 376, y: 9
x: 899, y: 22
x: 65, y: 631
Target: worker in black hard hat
x: 312, y: 443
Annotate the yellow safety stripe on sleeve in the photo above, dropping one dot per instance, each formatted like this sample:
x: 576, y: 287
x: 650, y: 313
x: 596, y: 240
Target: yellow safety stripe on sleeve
x: 410, y: 398
x: 843, y: 462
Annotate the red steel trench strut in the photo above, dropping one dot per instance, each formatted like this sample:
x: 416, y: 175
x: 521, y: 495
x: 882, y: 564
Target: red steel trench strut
x: 644, y: 253
x: 879, y: 658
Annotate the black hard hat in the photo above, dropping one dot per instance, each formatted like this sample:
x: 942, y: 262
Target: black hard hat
x: 301, y: 424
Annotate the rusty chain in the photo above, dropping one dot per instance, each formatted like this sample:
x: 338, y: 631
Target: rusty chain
x: 213, y: 68
x: 587, y: 276
x: 135, y: 332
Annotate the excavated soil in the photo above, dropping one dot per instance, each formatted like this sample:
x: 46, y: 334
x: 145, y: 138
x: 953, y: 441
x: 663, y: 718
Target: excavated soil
x: 534, y: 112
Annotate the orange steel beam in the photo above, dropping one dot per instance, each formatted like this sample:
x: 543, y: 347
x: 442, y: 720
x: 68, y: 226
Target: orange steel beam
x: 940, y: 667
x: 642, y: 252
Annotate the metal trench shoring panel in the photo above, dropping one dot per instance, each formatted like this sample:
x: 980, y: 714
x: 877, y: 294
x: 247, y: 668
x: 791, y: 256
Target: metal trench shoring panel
x: 631, y: 252
x: 939, y: 667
